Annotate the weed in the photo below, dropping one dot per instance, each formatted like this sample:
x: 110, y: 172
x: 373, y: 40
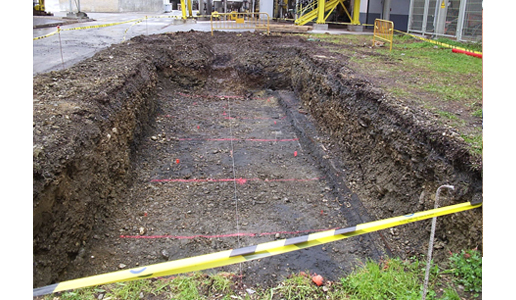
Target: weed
x: 467, y: 268
x: 391, y: 279
x: 80, y: 294
x: 478, y: 113
x: 450, y: 294
x: 476, y: 143
x: 297, y: 287
x: 130, y: 290
x: 185, y: 287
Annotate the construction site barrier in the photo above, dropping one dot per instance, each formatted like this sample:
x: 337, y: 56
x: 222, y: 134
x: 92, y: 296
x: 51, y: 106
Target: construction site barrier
x: 383, y: 30
x: 478, y: 53
x: 239, y: 20
x: 233, y: 256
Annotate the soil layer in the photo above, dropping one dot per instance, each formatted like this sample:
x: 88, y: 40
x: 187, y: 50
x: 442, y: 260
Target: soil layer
x: 171, y: 146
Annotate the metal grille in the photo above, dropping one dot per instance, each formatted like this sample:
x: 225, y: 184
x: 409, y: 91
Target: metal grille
x: 431, y: 16
x: 472, y: 28
x: 460, y: 19
x: 238, y: 20
x: 452, y: 17
x: 417, y: 14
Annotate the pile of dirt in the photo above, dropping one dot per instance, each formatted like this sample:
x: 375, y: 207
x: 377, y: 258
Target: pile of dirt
x: 109, y: 128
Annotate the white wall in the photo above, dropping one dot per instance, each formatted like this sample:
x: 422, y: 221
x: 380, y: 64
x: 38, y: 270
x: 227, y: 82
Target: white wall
x: 113, y: 5
x: 266, y: 6
x: 52, y: 6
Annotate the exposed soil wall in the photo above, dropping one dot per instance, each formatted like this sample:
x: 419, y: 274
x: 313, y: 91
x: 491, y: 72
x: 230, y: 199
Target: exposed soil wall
x: 396, y: 157
x: 89, y: 119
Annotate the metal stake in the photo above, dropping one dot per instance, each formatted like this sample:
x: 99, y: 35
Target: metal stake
x: 60, y: 45
x: 432, y: 234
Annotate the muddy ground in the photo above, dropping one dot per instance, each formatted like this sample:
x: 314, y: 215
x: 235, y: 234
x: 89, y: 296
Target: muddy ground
x: 169, y: 146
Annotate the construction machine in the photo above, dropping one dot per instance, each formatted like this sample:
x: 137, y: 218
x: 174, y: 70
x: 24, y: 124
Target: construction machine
x: 39, y: 8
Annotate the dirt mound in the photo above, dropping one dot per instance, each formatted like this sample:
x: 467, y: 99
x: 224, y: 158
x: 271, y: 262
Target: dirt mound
x: 146, y: 138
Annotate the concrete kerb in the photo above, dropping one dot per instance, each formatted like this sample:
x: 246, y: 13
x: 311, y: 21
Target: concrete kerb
x: 45, y: 22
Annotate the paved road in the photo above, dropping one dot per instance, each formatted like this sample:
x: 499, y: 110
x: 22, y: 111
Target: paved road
x: 69, y: 47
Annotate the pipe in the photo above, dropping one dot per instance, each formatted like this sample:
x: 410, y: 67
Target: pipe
x: 478, y: 55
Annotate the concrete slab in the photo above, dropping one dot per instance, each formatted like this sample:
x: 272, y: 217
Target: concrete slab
x: 320, y: 27
x: 53, y: 21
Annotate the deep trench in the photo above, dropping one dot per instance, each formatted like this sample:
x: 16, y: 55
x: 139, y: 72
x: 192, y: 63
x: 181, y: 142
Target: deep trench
x: 378, y: 159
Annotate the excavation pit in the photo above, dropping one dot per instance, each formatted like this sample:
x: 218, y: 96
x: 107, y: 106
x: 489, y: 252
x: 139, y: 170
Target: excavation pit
x: 171, y: 146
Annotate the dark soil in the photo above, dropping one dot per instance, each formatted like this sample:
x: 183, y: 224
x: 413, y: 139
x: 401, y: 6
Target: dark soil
x: 174, y: 136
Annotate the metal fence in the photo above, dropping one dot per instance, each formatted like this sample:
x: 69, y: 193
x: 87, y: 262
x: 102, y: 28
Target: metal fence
x: 383, y: 30
x: 460, y: 19
x: 234, y: 21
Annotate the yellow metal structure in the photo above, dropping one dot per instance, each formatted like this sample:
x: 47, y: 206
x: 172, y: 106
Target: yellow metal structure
x: 38, y: 8
x: 384, y: 31
x: 322, y: 9
x: 356, y: 13
x: 239, y: 20
x: 186, y: 5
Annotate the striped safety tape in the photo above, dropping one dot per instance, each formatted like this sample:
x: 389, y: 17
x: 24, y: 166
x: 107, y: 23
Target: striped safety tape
x: 135, y: 21
x: 44, y: 36
x: 436, y: 42
x: 102, y: 25
x: 87, y: 27
x: 229, y: 257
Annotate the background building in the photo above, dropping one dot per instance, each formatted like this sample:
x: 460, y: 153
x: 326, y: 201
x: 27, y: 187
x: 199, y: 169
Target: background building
x: 460, y: 19
x: 108, y: 5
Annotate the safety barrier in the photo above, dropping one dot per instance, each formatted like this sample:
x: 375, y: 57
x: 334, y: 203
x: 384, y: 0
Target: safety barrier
x: 475, y: 53
x: 383, y: 30
x: 234, y: 256
x: 234, y: 20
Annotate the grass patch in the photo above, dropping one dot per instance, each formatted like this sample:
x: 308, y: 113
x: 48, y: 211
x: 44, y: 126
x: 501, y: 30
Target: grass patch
x: 467, y: 268
x: 421, y: 74
x: 392, y: 278
x: 475, y: 141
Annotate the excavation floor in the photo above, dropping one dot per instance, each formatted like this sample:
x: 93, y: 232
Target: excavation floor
x: 220, y: 172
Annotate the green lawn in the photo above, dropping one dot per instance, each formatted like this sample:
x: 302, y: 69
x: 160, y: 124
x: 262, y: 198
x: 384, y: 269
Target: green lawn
x: 418, y: 73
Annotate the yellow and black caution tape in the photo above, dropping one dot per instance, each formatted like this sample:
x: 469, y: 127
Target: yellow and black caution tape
x: 135, y: 21
x: 102, y: 25
x: 87, y: 27
x: 436, y: 42
x: 45, y: 36
x: 259, y: 251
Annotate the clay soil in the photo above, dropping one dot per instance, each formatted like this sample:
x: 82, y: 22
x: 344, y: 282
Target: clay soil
x: 172, y: 146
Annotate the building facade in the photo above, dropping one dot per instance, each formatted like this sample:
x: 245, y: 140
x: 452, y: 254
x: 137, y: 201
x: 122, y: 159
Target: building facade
x: 101, y: 6
x: 459, y: 19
